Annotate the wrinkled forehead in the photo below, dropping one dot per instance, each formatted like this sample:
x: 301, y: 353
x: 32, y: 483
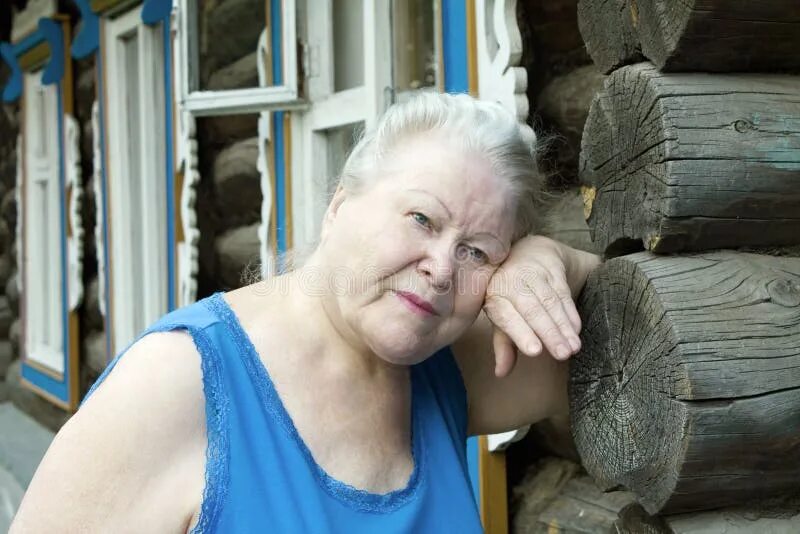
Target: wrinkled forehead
x: 462, y: 179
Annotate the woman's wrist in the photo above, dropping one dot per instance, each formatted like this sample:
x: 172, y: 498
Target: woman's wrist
x: 578, y: 264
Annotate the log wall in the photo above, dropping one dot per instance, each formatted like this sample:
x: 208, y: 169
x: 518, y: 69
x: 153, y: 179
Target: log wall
x: 693, y: 161
x: 693, y: 35
x: 687, y: 391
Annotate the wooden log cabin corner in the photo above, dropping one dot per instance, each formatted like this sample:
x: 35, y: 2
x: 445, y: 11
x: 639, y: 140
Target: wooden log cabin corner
x: 693, y: 35
x: 692, y: 161
x: 687, y: 391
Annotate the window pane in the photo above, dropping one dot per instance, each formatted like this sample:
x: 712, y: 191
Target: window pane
x: 229, y: 200
x: 348, y: 44
x: 340, y: 141
x: 414, y: 65
x: 228, y: 33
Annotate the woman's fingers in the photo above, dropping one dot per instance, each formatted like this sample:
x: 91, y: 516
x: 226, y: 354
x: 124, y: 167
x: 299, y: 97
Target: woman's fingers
x: 547, y: 312
x: 505, y: 353
x: 505, y: 316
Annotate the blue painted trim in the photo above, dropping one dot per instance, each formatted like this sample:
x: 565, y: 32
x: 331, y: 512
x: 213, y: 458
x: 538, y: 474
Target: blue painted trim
x: 54, y: 35
x: 46, y: 383
x: 56, y: 388
x: 13, y: 87
x: 454, y: 46
x: 49, y: 31
x: 62, y: 211
x: 279, y: 133
x: 472, y: 464
x: 279, y: 145
x: 456, y: 80
x: 276, y: 39
x: 30, y: 40
x: 88, y: 38
x: 155, y: 11
x: 169, y: 156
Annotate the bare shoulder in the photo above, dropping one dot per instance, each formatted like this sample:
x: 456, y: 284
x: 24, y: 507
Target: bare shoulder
x: 135, y: 449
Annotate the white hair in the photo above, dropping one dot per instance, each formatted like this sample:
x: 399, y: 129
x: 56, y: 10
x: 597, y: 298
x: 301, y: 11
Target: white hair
x: 479, y: 126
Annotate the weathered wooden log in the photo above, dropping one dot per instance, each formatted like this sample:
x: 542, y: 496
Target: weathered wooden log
x: 634, y: 520
x: 693, y: 35
x: 237, y: 184
x: 608, y: 31
x: 687, y: 390
x: 229, y: 30
x: 720, y: 35
x: 237, y: 254
x: 563, y: 106
x: 693, y: 161
x: 557, y: 496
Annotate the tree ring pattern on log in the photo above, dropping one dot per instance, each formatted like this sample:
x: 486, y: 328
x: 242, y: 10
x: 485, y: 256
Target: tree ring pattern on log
x: 609, y: 49
x: 687, y: 390
x: 622, y: 147
x: 623, y: 412
x: 693, y: 161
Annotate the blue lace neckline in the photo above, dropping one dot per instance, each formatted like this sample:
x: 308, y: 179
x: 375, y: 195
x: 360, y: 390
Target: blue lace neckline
x: 359, y: 499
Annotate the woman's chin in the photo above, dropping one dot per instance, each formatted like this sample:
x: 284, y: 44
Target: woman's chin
x: 401, y: 352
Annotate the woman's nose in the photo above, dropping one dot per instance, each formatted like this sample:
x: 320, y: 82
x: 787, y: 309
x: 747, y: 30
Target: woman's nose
x: 438, y: 267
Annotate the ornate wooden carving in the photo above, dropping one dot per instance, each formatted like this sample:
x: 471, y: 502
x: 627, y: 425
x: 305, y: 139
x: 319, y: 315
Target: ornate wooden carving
x: 73, y: 193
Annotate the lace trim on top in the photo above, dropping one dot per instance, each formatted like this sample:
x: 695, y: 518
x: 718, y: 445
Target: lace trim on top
x: 358, y: 499
x: 217, y: 450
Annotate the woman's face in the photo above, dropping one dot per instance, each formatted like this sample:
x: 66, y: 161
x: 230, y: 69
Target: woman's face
x: 412, y: 254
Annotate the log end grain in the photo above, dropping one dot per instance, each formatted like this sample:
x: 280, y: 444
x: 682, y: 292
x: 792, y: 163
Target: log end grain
x: 693, y: 161
x: 607, y: 27
x: 626, y: 426
x: 687, y: 390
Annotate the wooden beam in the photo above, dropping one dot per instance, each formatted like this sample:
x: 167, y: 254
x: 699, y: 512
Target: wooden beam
x: 693, y: 35
x: 607, y: 28
x: 493, y: 492
x: 687, y: 390
x: 692, y: 161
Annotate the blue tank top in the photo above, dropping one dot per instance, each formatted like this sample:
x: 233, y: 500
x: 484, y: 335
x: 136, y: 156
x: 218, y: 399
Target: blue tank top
x: 260, y: 475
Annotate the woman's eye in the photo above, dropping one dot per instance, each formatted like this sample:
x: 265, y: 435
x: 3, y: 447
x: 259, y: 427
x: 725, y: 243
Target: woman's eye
x: 421, y: 219
x: 476, y: 255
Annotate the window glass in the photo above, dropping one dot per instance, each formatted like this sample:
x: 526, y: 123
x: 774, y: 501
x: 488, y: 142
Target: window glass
x: 414, y: 62
x: 348, y: 44
x: 228, y: 32
x: 340, y: 142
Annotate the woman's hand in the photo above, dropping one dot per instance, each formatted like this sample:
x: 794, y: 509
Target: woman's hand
x: 530, y: 301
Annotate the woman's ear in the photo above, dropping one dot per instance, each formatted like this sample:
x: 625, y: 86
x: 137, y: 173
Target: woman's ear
x: 332, y: 210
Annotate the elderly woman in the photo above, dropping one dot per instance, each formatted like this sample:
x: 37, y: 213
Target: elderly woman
x: 338, y: 396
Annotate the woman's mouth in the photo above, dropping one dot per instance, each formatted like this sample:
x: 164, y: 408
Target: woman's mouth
x: 416, y: 303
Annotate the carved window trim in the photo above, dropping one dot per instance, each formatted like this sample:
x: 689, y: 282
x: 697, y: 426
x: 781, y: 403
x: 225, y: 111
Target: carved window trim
x: 329, y: 109
x: 50, y: 282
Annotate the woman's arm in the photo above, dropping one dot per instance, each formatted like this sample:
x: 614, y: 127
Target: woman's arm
x: 127, y: 460
x: 529, y: 305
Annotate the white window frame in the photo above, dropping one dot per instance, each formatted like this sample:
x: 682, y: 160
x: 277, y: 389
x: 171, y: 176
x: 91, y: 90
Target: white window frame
x: 193, y: 103
x: 234, y: 101
x: 153, y: 294
x: 329, y: 109
x: 43, y: 298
